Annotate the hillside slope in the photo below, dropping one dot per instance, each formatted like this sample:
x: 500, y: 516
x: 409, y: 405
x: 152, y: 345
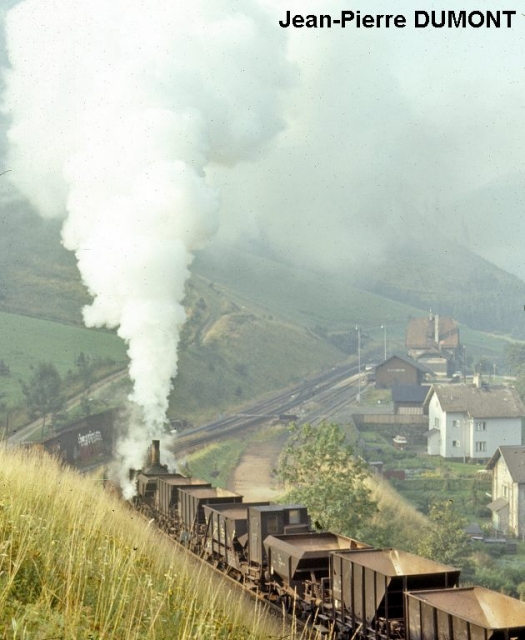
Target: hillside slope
x: 255, y: 324
x: 452, y: 281
x: 75, y: 562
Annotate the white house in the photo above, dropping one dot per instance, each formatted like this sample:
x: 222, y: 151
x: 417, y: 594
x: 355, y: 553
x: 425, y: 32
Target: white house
x: 472, y: 421
x: 508, y: 490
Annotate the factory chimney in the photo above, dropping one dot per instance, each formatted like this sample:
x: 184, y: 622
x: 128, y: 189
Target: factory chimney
x: 436, y: 329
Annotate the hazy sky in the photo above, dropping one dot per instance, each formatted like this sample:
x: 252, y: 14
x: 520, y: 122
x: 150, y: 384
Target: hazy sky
x: 390, y: 133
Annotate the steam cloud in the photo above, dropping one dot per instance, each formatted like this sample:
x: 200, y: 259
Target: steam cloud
x: 118, y: 108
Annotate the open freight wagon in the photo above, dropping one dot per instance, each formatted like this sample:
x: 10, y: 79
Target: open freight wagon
x: 469, y: 613
x: 369, y: 586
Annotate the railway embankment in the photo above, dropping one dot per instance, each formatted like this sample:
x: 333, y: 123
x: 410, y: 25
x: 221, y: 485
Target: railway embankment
x: 76, y: 562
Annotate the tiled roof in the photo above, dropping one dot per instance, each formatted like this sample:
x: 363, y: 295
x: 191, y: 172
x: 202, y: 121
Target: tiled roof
x: 484, y: 402
x: 514, y: 458
x: 421, y: 333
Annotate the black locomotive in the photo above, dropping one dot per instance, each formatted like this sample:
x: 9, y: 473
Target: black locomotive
x: 346, y: 588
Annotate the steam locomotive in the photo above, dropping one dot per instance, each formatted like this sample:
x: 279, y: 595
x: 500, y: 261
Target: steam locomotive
x: 346, y: 588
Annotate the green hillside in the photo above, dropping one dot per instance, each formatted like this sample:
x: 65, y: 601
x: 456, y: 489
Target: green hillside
x: 38, y: 277
x: 25, y: 341
x: 452, y: 281
x: 76, y: 562
x: 254, y: 324
x: 298, y: 295
x: 231, y: 353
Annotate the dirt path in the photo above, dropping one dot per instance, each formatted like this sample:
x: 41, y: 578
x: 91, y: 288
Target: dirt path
x: 253, y: 478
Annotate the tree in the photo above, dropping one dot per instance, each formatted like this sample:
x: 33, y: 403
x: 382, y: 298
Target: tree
x: 43, y: 393
x: 86, y: 370
x: 515, y: 356
x: 446, y: 541
x: 323, y: 473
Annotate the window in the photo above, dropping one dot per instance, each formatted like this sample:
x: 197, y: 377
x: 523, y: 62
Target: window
x: 456, y: 443
x: 481, y: 426
x: 295, y: 516
x: 481, y: 446
x: 455, y: 423
x: 436, y: 423
x: 272, y: 524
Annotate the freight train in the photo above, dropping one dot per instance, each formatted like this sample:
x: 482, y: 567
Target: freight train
x: 344, y: 587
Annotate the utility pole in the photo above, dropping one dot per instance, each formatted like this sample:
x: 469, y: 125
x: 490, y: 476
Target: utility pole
x: 383, y: 326
x: 358, y: 329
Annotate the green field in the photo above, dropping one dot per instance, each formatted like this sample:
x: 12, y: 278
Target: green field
x: 25, y: 342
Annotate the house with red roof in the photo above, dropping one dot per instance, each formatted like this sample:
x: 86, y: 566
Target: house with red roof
x: 433, y: 341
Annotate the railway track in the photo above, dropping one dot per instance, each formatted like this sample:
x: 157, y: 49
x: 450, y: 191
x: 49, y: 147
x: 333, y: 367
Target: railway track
x: 287, y: 403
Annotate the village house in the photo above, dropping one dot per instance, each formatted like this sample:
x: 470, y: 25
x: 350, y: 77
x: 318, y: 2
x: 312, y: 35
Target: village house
x: 508, y: 490
x: 399, y: 370
x: 471, y: 421
x: 433, y: 341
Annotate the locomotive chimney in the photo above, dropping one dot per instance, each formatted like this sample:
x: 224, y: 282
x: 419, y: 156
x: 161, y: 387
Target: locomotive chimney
x: 155, y: 453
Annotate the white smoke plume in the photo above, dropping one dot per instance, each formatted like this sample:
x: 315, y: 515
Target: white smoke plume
x: 117, y: 109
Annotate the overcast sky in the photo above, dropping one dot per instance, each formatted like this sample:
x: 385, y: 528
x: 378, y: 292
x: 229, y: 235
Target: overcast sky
x: 391, y: 133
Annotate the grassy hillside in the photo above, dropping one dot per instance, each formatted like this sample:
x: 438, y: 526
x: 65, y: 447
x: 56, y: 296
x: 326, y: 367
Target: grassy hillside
x: 231, y: 354
x: 452, y: 281
x: 24, y: 342
x: 38, y: 277
x: 77, y: 563
x: 331, y: 306
x: 298, y: 295
x: 255, y: 324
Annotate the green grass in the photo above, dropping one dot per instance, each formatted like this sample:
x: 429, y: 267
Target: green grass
x: 25, y: 341
x: 241, y: 356
x: 75, y: 562
x: 216, y: 461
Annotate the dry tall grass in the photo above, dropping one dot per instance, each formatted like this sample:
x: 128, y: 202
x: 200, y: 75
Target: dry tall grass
x: 75, y: 563
x: 403, y: 523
